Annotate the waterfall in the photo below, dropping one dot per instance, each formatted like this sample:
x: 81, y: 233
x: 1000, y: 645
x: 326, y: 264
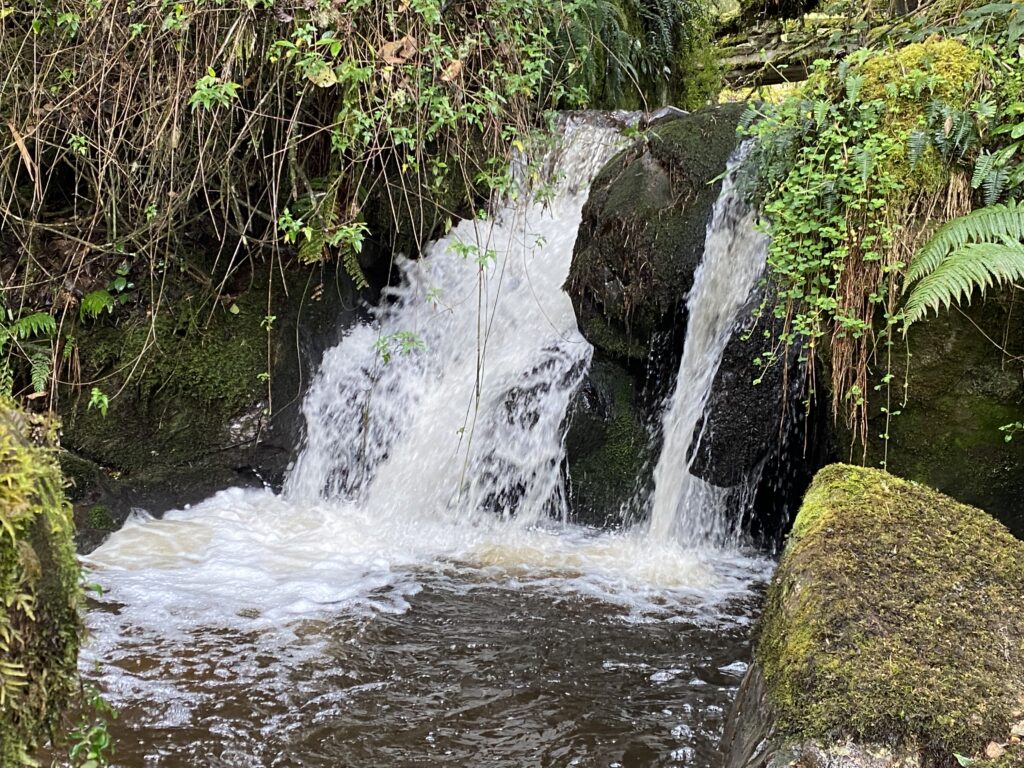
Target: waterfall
x: 453, y: 399
x: 684, y: 507
x: 433, y: 449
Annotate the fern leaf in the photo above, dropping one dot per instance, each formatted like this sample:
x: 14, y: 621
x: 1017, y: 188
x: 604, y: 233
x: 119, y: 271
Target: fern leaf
x: 995, y: 222
x: 975, y: 265
x: 994, y: 184
x: 94, y: 302
x: 350, y: 260
x: 982, y: 168
x: 40, y: 371
x: 36, y: 324
x: 917, y: 143
x: 6, y: 378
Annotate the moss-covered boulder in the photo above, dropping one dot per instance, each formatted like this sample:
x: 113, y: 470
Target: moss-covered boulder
x: 39, y: 588
x: 204, y: 395
x: 643, y: 228
x: 964, y: 380
x: 607, y: 445
x: 892, y: 633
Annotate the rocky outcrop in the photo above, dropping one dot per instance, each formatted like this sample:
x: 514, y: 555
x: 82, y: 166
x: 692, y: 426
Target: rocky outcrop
x: 39, y: 589
x: 609, y: 447
x: 190, y: 410
x: 642, y: 234
x: 891, y: 634
x: 964, y: 380
x: 639, y: 244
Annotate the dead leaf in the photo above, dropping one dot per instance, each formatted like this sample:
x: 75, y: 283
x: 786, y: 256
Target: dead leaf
x: 26, y: 158
x: 398, y: 51
x: 452, y: 71
x: 324, y: 77
x: 994, y: 751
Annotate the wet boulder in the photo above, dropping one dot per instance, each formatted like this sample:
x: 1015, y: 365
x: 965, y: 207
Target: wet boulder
x: 190, y: 412
x: 891, y: 636
x: 964, y: 382
x: 608, y: 447
x: 642, y: 233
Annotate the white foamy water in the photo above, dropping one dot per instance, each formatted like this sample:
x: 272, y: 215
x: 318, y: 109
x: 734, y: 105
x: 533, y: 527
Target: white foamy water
x: 432, y: 457
x: 684, y: 507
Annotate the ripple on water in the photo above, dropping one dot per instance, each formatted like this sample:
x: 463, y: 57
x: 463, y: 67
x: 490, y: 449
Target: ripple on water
x: 266, y: 634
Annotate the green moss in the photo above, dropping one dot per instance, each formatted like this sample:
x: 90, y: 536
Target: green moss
x: 910, y: 77
x: 99, y: 516
x: 609, y: 448
x: 908, y: 81
x: 39, y: 590
x: 894, y: 617
x: 175, y: 381
x: 643, y: 230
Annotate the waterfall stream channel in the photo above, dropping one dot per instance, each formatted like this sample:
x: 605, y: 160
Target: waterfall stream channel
x: 414, y: 596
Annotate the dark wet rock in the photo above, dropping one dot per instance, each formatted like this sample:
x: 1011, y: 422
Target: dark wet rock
x: 961, y: 388
x: 608, y: 448
x: 643, y: 228
x: 196, y: 416
x: 756, y: 431
x: 748, y: 410
x: 891, y: 634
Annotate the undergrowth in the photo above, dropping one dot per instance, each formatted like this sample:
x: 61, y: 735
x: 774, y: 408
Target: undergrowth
x: 855, y: 171
x: 155, y: 141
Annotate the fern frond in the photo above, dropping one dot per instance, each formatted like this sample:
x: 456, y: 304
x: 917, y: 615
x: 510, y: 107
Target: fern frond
x: 994, y: 184
x: 350, y: 260
x: 993, y: 223
x: 975, y: 265
x: 36, y: 324
x: 917, y: 143
x: 94, y: 302
x: 40, y: 371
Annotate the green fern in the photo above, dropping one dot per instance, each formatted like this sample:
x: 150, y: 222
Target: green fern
x: 995, y: 223
x: 975, y: 265
x: 917, y: 143
x: 40, y: 371
x: 94, y: 302
x: 36, y: 324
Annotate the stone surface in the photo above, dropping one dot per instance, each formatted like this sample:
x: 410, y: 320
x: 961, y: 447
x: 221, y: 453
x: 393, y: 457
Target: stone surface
x: 608, y: 447
x: 643, y: 228
x: 961, y: 388
x: 195, y: 416
x: 893, y: 620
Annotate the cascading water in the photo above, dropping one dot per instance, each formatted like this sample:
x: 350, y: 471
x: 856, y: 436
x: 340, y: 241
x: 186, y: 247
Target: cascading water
x: 481, y: 354
x: 417, y: 571
x: 684, y: 507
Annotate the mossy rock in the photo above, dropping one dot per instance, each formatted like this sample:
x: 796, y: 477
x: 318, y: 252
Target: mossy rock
x: 40, y: 597
x: 608, y: 449
x: 643, y: 228
x: 961, y: 388
x: 190, y: 411
x: 894, y: 619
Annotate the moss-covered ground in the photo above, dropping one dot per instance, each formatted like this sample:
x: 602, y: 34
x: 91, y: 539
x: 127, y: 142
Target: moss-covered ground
x: 895, y: 617
x: 39, y: 589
